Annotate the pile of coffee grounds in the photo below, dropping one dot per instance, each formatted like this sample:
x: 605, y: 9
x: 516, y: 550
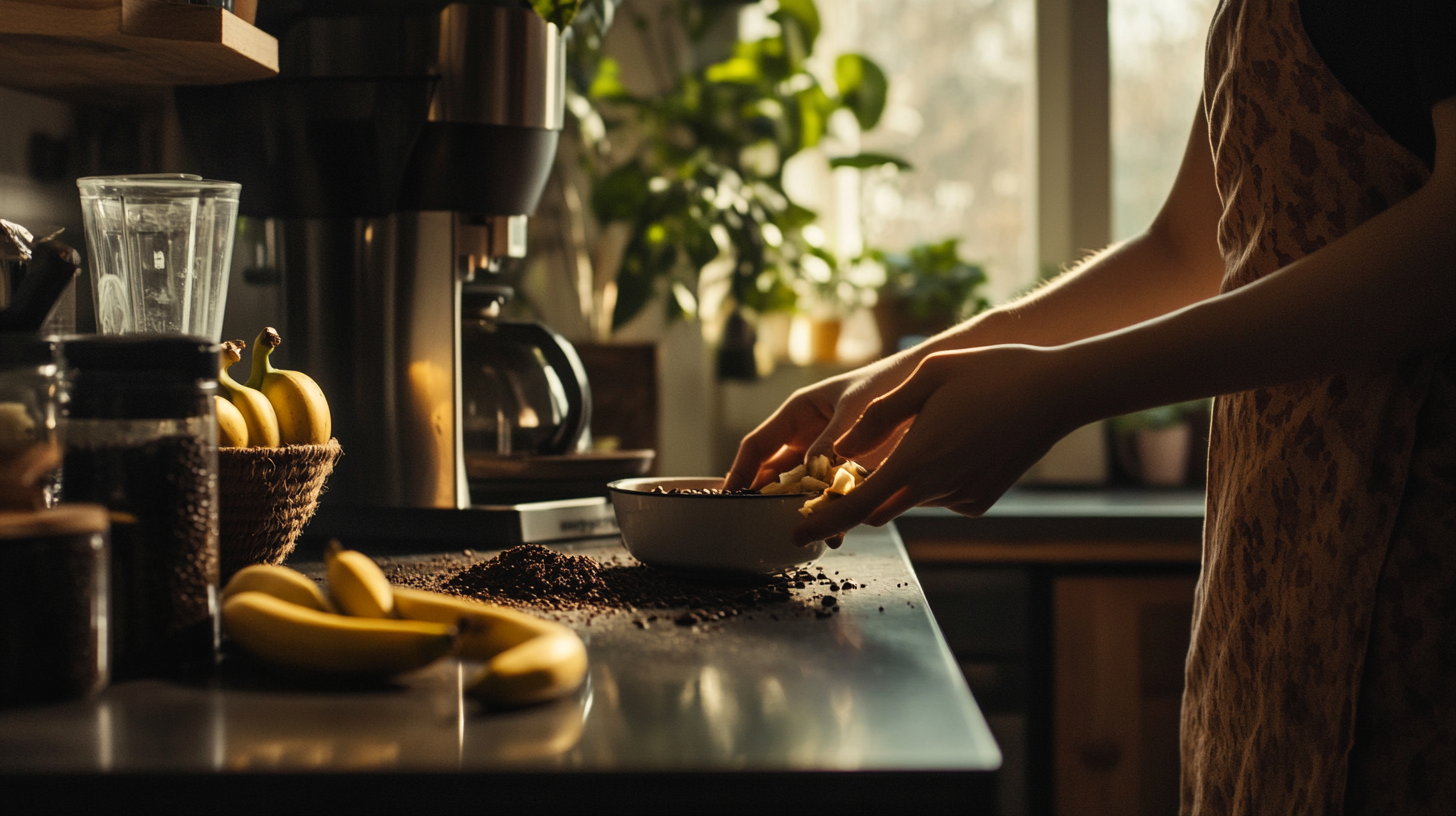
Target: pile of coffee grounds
x: 533, y: 573
x: 537, y: 577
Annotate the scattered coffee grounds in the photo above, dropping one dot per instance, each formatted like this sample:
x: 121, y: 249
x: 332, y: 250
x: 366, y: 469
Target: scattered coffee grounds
x: 537, y: 577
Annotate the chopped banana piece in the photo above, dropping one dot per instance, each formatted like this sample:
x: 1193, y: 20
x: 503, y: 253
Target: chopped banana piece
x: 844, y: 482
x: 793, y: 476
x: 828, y: 481
x: 810, y: 505
x: 819, y: 467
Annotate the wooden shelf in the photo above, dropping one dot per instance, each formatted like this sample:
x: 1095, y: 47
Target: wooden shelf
x: 77, y: 47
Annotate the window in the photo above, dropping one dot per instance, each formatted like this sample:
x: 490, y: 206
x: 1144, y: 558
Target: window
x: 1156, y: 54
x: 974, y: 88
x: 960, y: 110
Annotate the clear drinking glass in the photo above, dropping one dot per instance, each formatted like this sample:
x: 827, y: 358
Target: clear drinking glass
x: 160, y: 249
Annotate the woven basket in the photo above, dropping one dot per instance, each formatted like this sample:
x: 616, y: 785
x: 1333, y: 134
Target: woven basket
x: 266, y: 497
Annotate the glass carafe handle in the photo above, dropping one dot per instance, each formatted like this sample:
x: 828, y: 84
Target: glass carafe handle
x: 562, y: 357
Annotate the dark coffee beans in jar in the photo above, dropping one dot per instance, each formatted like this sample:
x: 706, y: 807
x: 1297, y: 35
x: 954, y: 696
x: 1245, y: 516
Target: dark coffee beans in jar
x: 141, y: 440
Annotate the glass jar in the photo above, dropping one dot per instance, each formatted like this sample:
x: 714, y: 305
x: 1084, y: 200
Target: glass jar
x: 141, y: 438
x: 53, y: 603
x: 32, y: 391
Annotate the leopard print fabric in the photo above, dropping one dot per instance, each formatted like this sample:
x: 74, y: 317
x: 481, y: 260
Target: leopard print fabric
x: 1320, y: 679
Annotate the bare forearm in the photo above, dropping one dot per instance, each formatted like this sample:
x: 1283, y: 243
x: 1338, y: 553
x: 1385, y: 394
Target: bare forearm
x: 1384, y: 291
x: 1173, y: 263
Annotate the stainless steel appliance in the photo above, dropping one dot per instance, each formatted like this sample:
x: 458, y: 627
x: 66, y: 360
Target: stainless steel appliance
x: 394, y: 161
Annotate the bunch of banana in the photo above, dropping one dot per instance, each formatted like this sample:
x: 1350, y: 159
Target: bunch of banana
x: 274, y: 407
x: 245, y: 418
x: 282, y: 617
x: 303, y: 412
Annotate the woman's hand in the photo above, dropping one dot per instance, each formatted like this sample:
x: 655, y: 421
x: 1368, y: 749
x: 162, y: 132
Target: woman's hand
x: 967, y: 423
x: 810, y: 420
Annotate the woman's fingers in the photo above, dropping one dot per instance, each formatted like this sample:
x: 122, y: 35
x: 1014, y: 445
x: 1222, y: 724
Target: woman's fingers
x: 886, y: 417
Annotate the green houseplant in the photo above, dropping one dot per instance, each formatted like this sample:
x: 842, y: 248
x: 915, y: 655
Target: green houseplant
x: 926, y: 290
x: 703, y: 181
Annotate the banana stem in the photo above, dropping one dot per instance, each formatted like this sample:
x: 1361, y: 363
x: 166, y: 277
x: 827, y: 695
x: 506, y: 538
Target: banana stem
x: 268, y: 339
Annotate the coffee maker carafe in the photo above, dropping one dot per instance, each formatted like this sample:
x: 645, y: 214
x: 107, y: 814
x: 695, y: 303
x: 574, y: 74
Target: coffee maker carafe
x: 524, y: 390
x: 393, y: 161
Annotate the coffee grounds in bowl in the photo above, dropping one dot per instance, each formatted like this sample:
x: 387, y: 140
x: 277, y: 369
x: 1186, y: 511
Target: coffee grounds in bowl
x: 702, y: 491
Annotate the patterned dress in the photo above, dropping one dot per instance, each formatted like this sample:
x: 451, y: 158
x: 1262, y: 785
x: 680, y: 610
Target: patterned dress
x: 1322, y: 675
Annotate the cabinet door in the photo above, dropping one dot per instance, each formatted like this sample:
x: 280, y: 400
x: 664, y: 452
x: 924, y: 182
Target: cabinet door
x: 1119, y: 649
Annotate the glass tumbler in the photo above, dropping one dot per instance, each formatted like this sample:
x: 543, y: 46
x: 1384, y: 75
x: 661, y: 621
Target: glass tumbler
x: 160, y: 251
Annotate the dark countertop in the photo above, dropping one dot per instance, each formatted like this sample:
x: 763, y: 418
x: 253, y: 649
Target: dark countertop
x: 1045, y: 524
x: 863, y: 709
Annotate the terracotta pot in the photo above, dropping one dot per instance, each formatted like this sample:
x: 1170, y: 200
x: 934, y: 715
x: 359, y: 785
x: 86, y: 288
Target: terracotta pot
x: 1162, y: 454
x: 895, y: 321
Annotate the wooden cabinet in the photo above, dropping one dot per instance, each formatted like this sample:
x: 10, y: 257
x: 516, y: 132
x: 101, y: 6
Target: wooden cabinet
x: 1090, y: 595
x: 1119, y: 646
x: 73, y: 48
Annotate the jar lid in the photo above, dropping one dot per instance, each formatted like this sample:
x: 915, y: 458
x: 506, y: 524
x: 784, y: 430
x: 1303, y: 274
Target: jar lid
x: 28, y: 349
x: 63, y: 520
x: 192, y: 357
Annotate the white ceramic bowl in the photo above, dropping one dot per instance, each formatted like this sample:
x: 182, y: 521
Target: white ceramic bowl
x: 746, y: 534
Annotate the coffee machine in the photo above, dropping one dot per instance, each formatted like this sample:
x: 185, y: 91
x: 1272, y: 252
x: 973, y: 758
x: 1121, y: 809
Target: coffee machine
x: 388, y: 169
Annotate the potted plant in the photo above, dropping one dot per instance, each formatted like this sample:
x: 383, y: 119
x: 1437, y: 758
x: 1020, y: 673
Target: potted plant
x: 701, y: 181
x: 925, y: 291
x: 1155, y: 446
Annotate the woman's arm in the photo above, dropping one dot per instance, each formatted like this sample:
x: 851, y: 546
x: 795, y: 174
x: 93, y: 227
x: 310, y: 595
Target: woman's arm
x: 1173, y: 263
x: 1385, y: 290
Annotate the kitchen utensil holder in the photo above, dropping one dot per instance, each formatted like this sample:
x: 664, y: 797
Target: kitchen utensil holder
x: 266, y: 497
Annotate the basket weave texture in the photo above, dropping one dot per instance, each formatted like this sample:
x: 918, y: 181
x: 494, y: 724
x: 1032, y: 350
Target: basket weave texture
x: 266, y: 498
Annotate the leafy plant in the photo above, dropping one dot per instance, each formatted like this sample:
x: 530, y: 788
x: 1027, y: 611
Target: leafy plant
x: 932, y: 280
x: 705, y: 180
x: 564, y: 12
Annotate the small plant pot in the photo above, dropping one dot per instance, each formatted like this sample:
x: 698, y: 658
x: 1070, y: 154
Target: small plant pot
x: 1162, y: 454
x: 895, y: 321
x: 824, y: 339
x: 266, y: 496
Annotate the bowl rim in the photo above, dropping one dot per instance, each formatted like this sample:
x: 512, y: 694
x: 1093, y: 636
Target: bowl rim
x: 631, y: 486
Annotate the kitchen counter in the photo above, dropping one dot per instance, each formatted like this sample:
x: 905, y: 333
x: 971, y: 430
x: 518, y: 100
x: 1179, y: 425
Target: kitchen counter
x: 854, y: 711
x: 1040, y: 525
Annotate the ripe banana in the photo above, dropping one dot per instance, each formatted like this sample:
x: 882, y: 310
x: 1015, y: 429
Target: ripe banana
x: 528, y: 660
x: 491, y: 629
x: 280, y: 582
x: 296, y: 637
x: 257, y: 411
x: 232, y: 429
x: 303, y: 412
x: 358, y: 584
x: 543, y: 668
